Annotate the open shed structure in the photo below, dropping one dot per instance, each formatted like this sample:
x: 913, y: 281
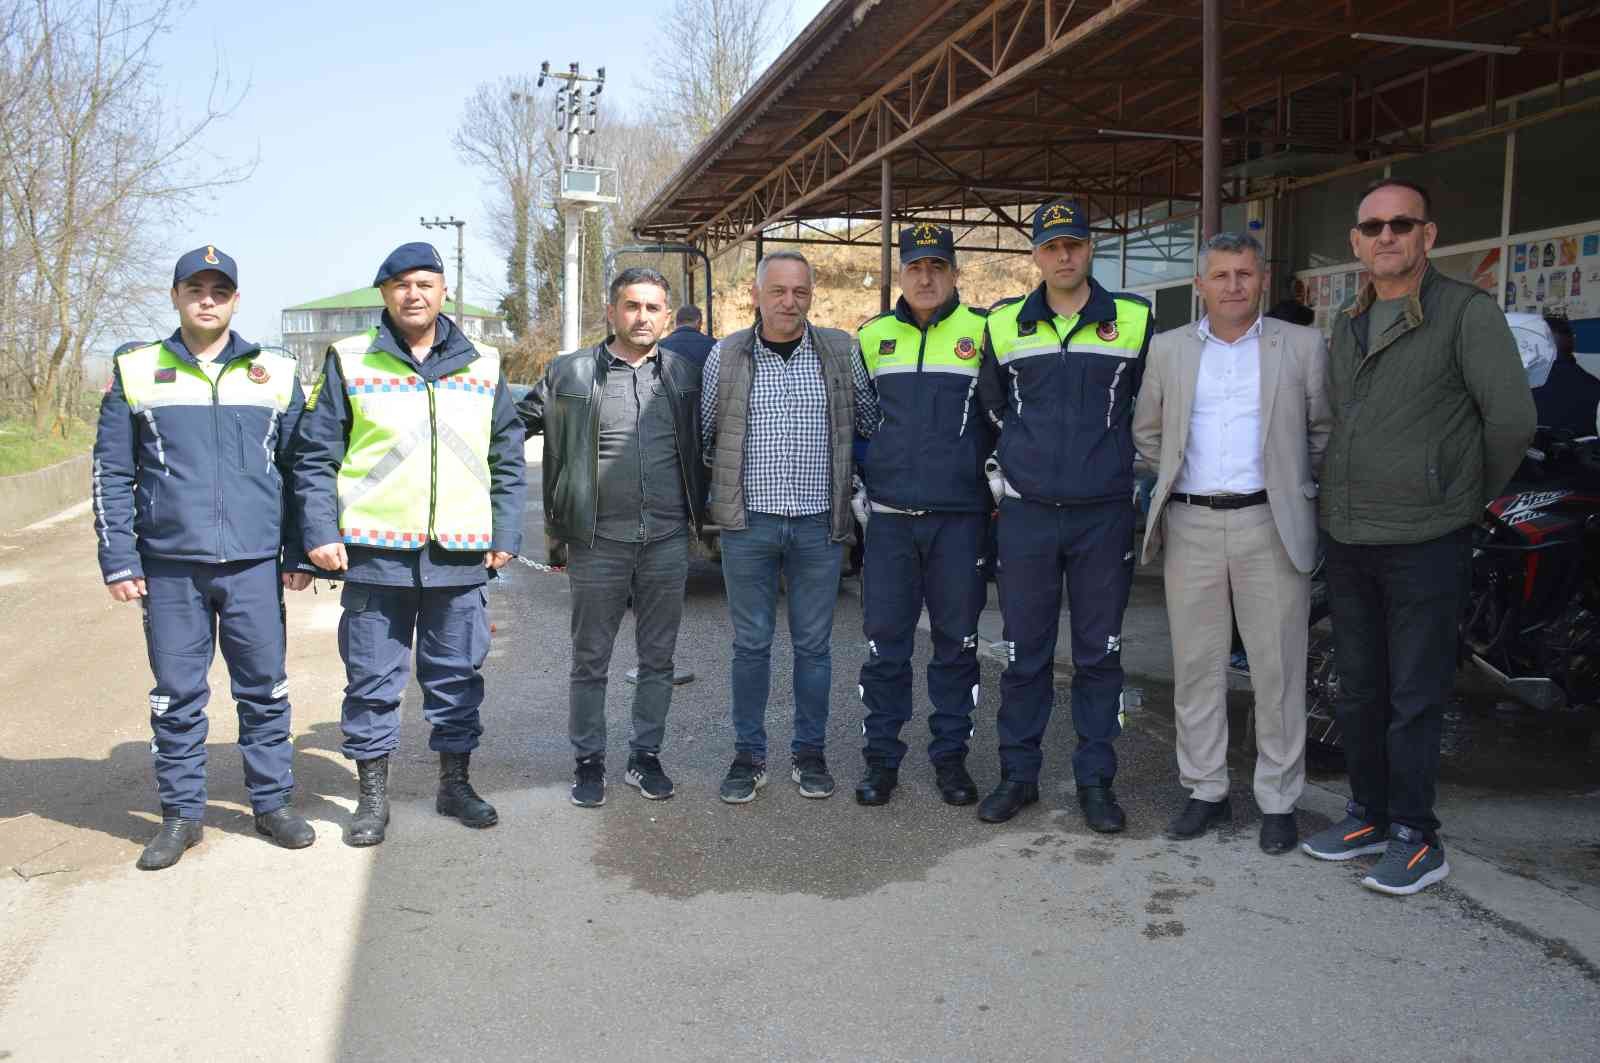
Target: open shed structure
x: 1169, y: 118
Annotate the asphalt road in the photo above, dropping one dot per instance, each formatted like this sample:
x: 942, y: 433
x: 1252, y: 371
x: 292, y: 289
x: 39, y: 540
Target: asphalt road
x: 687, y: 929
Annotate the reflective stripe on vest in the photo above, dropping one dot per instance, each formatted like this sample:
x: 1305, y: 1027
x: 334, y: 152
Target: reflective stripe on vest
x: 154, y: 377
x: 417, y: 464
x: 1122, y: 338
x: 890, y: 345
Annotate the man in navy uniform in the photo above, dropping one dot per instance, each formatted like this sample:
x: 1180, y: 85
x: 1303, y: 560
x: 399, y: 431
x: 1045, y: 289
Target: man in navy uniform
x: 928, y: 513
x: 1060, y: 371
x: 410, y: 480
x: 190, y: 465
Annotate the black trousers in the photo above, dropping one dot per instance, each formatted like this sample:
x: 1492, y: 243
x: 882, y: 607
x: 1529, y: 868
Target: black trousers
x: 1395, y: 612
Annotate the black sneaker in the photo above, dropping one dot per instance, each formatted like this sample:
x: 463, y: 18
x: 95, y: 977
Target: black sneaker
x: 1355, y: 835
x: 1411, y: 863
x: 744, y: 778
x: 810, y: 773
x: 644, y: 771
x: 589, y: 783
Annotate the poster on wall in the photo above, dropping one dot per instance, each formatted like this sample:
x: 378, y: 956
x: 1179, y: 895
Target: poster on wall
x: 1559, y: 277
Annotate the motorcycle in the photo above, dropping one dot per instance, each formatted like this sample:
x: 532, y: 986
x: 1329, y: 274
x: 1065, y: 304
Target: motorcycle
x: 1531, y: 626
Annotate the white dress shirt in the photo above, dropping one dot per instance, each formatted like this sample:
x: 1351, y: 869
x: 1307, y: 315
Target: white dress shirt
x: 1223, y: 455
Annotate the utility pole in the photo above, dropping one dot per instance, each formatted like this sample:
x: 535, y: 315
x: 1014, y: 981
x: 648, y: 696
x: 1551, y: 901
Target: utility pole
x: 581, y: 182
x: 461, y: 258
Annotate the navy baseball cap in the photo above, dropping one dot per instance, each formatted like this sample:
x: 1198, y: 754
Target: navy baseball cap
x: 408, y: 257
x: 201, y: 259
x: 1058, y: 218
x: 927, y: 240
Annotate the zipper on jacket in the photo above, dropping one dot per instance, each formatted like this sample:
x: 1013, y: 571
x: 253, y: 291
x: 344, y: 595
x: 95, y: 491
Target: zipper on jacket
x: 597, y: 388
x: 922, y: 429
x: 216, y: 452
x: 677, y: 434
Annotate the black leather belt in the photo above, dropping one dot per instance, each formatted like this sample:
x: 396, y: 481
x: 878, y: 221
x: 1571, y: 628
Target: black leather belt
x: 1221, y: 501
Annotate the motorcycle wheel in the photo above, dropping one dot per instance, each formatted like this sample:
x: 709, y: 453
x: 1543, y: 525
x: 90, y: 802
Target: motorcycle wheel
x: 1324, y: 737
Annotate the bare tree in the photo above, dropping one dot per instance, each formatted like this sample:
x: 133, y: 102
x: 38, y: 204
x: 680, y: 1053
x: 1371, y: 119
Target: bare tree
x: 712, y: 51
x: 91, y: 164
x: 505, y: 133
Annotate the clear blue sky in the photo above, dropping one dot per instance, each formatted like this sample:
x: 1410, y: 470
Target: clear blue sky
x: 351, y: 107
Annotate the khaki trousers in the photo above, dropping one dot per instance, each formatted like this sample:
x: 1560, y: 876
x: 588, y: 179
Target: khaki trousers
x: 1220, y: 564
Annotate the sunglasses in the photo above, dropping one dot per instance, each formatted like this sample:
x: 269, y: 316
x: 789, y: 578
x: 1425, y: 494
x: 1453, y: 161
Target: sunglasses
x: 1399, y: 226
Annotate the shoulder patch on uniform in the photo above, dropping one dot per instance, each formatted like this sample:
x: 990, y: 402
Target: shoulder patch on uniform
x: 966, y: 348
x: 1107, y: 330
x: 885, y: 347
x: 166, y: 374
x: 1027, y: 328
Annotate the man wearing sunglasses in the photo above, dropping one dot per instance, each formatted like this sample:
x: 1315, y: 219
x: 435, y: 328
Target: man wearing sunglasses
x: 1431, y: 414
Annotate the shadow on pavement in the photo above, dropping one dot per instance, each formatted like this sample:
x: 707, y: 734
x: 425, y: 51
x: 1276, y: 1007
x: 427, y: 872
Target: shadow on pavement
x: 115, y: 795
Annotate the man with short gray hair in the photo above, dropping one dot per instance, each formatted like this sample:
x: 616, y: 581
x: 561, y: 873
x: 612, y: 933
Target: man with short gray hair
x: 780, y: 406
x: 1233, y: 419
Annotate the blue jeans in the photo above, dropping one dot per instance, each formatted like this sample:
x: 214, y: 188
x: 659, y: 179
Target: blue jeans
x: 752, y: 560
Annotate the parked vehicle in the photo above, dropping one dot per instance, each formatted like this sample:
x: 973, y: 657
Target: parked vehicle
x: 1532, y: 622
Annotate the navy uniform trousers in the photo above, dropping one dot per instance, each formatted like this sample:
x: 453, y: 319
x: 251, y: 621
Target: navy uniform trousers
x: 450, y: 626
x: 1092, y: 547
x: 189, y: 607
x: 933, y: 558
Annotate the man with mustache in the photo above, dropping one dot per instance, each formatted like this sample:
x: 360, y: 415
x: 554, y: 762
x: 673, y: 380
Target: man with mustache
x: 410, y: 479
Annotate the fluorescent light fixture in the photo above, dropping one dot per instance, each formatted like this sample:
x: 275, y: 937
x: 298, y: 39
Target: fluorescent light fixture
x: 1435, y: 42
x: 1147, y: 135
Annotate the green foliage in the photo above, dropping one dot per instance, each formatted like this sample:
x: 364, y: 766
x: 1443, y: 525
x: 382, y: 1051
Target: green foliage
x: 24, y: 450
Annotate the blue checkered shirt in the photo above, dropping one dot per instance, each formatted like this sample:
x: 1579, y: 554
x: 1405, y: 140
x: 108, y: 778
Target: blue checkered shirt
x: 786, y: 451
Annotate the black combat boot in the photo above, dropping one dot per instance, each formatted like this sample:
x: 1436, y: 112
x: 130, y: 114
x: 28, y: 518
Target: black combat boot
x: 176, y: 836
x: 372, y: 810
x: 457, y: 797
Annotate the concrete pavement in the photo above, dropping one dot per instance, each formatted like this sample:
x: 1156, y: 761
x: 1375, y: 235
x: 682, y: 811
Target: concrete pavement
x: 688, y: 929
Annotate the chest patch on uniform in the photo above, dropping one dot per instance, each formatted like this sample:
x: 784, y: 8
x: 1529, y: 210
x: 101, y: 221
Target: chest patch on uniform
x: 258, y: 373
x: 965, y: 348
x: 1027, y: 328
x: 885, y: 347
x: 168, y: 375
x: 1107, y: 331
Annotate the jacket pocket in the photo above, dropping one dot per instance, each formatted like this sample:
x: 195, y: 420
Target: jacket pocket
x: 144, y: 507
x: 243, y: 438
x: 1432, y: 476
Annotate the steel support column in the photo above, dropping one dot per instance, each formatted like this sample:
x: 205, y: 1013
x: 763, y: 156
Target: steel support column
x: 885, y: 235
x: 1211, y: 119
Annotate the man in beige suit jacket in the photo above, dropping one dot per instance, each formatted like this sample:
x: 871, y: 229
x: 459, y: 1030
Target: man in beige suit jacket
x: 1233, y: 419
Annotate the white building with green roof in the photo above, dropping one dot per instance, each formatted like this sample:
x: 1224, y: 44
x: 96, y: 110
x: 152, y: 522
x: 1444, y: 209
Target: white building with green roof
x: 309, y: 328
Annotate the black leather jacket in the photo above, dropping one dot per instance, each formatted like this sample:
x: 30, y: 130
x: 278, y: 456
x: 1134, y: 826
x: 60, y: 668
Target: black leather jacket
x: 565, y: 409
